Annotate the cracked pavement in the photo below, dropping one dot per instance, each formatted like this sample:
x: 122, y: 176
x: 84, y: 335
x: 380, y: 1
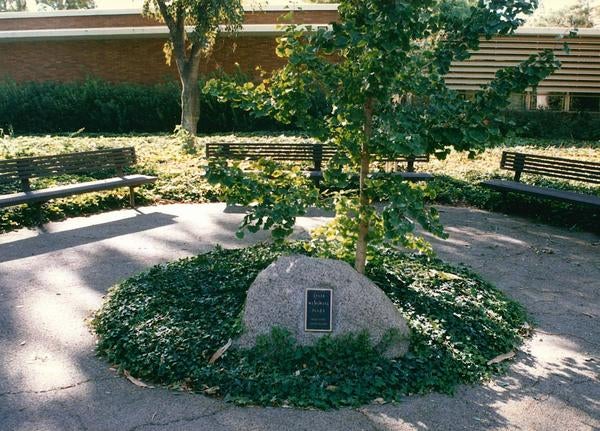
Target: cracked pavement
x: 52, y: 278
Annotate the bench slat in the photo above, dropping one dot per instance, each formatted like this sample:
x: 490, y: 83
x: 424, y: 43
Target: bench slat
x: 512, y: 154
x: 556, y: 167
x: 110, y: 159
x: 283, y: 151
x: 560, y: 195
x: 534, y: 166
x: 73, y: 189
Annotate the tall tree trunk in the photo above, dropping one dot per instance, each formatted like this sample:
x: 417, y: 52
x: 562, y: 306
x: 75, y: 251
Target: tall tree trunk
x: 188, y: 65
x: 190, y: 101
x: 363, y: 210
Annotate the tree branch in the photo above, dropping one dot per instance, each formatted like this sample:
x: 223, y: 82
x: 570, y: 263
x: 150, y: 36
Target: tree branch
x: 176, y: 29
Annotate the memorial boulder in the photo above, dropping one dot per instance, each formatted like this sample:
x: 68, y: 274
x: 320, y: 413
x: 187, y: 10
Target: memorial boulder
x: 312, y: 297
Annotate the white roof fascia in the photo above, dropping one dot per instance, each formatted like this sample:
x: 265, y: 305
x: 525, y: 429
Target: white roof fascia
x: 295, y: 6
x: 129, y: 32
x: 557, y: 31
x: 71, y: 12
x: 246, y: 30
x: 101, y: 12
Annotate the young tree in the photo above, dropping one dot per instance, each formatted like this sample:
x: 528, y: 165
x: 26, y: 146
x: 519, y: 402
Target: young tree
x: 13, y: 5
x: 207, y: 17
x: 381, y: 70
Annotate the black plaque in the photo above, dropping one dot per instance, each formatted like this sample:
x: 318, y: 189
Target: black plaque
x: 317, y: 316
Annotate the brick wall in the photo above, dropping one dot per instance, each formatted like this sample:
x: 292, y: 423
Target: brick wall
x: 137, y: 20
x: 125, y: 60
x: 129, y: 60
x: 91, y: 21
x: 298, y: 17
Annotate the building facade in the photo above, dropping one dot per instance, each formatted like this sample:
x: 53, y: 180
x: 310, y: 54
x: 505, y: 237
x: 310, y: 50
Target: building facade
x: 124, y: 46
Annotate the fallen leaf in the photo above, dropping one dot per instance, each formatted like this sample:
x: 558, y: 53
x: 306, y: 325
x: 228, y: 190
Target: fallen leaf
x: 501, y: 358
x: 220, y: 352
x: 212, y: 391
x: 442, y: 275
x: 136, y: 381
x: 379, y: 401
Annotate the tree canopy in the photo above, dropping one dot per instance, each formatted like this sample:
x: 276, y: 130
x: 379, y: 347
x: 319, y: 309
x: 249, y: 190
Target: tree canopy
x: 13, y: 5
x: 21, y: 5
x: 582, y: 14
x: 69, y: 4
x: 380, y: 70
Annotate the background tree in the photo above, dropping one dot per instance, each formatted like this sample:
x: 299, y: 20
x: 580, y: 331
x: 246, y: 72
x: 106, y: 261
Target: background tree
x: 386, y: 97
x: 207, y: 17
x: 68, y: 4
x: 582, y: 14
x: 13, y: 5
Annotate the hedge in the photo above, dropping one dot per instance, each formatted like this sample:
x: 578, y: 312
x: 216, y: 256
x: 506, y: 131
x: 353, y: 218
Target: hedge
x: 556, y: 125
x: 102, y: 107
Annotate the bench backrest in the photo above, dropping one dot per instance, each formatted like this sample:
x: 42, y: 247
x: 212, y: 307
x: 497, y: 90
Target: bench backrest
x: 556, y: 167
x: 318, y: 154
x: 23, y: 169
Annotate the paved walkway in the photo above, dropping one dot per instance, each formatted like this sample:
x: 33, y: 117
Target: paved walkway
x: 52, y: 279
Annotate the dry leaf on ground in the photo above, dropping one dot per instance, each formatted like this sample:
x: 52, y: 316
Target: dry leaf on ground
x: 220, y: 352
x: 501, y: 358
x: 136, y: 381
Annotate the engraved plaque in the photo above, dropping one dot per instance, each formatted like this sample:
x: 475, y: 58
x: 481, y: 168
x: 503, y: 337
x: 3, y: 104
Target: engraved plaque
x: 318, y: 310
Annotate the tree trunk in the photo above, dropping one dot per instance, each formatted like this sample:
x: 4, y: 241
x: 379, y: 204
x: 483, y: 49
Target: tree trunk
x: 190, y: 99
x: 363, y: 210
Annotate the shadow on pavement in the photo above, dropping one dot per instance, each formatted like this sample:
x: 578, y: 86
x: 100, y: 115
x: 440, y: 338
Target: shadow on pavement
x: 51, y: 379
x: 47, y: 242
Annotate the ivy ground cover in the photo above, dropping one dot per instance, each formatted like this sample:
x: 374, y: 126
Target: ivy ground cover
x: 164, y: 325
x: 181, y: 177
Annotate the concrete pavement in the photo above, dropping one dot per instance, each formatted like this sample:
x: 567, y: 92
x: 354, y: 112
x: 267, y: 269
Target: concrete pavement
x: 52, y: 278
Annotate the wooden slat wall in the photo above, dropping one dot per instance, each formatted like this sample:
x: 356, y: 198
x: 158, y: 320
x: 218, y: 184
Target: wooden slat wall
x: 580, y: 72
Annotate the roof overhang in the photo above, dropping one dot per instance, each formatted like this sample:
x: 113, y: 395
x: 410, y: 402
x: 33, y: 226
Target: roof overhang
x: 148, y: 32
x: 296, y: 6
x: 161, y: 32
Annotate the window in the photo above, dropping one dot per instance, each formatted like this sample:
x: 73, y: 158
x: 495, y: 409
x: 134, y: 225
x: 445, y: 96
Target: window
x: 550, y: 102
x: 585, y: 102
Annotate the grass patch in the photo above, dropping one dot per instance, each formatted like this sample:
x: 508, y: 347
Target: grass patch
x: 180, y: 177
x: 163, y: 326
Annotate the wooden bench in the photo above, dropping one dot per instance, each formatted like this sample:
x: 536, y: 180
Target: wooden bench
x: 20, y: 172
x: 554, y: 167
x: 314, y: 154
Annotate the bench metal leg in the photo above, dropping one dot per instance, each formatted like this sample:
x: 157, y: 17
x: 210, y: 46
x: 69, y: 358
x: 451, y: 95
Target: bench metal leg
x: 132, y: 197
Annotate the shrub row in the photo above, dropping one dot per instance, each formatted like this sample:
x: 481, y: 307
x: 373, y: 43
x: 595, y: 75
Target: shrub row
x: 102, y: 107
x: 556, y: 125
